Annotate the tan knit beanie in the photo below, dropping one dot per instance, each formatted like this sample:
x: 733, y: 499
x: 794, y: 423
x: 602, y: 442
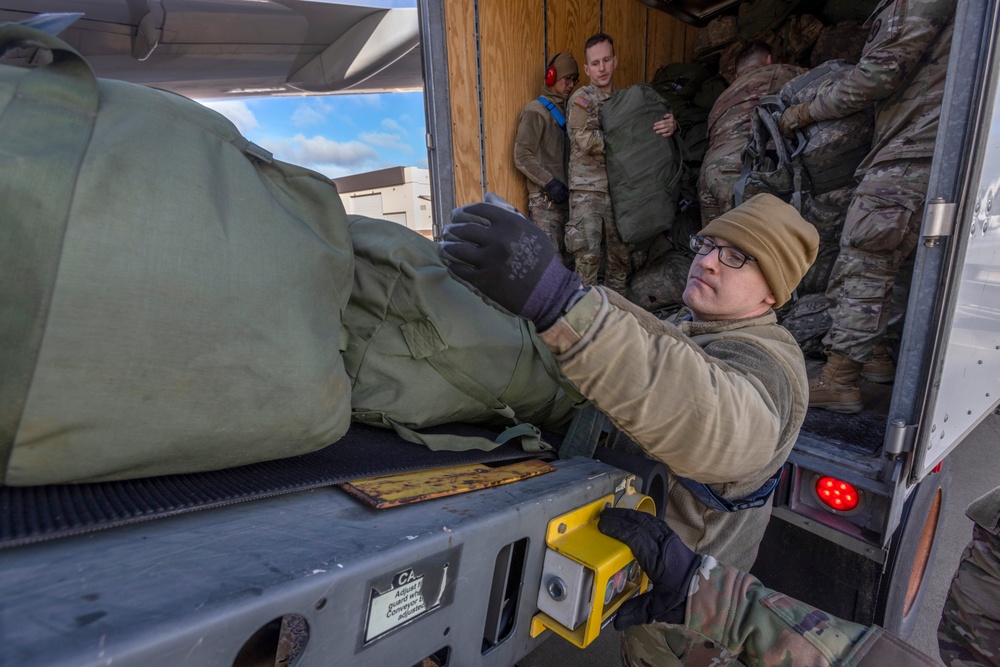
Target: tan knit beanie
x: 565, y: 65
x: 774, y: 233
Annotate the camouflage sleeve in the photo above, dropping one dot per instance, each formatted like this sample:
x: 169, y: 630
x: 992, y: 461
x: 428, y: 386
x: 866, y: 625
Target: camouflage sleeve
x: 969, y: 633
x: 899, y: 36
x: 762, y: 627
x: 584, y: 125
x: 529, y: 137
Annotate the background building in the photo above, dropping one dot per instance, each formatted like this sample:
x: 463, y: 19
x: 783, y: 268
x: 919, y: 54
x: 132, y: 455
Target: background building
x: 400, y: 194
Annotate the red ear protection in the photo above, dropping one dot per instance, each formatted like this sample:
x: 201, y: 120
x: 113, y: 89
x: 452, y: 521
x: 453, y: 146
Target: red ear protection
x: 550, y: 73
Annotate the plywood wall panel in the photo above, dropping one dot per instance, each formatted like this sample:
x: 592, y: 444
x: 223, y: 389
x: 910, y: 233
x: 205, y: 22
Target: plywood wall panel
x: 462, y: 77
x: 513, y: 62
x: 670, y: 40
x: 571, y: 22
x: 625, y: 21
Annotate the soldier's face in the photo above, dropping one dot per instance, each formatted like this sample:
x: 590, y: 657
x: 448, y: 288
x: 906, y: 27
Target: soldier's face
x: 564, y: 85
x: 715, y: 291
x: 600, y: 65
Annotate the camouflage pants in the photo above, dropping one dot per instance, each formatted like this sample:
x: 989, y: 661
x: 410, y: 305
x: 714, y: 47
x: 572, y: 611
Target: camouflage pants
x: 592, y: 220
x: 969, y: 634
x: 663, y: 645
x: 881, y: 231
x: 715, y: 188
x: 551, y: 219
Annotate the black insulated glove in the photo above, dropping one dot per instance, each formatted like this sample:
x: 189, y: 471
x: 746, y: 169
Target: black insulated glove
x: 556, y: 191
x: 502, y: 256
x: 669, y: 564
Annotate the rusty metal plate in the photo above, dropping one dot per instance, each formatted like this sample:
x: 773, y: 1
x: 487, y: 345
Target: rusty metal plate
x: 394, y: 490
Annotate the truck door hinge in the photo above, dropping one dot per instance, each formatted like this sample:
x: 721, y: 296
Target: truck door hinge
x: 900, y: 437
x: 940, y: 221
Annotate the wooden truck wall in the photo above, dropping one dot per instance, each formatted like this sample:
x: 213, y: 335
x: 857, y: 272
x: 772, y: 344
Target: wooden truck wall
x: 490, y: 84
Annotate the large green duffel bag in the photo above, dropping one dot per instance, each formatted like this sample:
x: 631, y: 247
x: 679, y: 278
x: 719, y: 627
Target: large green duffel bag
x: 644, y: 169
x: 423, y: 350
x: 170, y: 296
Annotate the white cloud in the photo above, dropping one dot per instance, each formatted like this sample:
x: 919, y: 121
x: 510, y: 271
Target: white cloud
x: 236, y: 111
x: 393, y: 126
x: 320, y: 150
x: 385, y: 140
x: 304, y: 116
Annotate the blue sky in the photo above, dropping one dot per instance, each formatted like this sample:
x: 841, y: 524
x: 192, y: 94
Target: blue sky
x: 336, y: 135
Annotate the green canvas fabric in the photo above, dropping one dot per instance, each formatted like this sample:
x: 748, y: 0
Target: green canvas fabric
x: 644, y: 168
x: 171, y: 296
x: 423, y: 350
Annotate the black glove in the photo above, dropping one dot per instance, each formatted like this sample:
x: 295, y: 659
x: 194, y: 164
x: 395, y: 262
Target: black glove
x: 502, y: 256
x: 556, y: 190
x: 669, y: 564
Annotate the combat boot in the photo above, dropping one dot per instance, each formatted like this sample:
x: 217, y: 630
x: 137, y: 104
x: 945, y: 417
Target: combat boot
x: 880, y: 369
x: 836, y: 387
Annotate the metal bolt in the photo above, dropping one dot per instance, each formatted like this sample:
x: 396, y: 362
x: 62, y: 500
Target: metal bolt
x: 980, y: 362
x: 561, y: 529
x: 556, y: 589
x: 946, y: 417
x: 933, y: 427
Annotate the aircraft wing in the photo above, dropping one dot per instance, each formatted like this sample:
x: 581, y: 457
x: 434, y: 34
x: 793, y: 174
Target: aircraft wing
x: 233, y: 48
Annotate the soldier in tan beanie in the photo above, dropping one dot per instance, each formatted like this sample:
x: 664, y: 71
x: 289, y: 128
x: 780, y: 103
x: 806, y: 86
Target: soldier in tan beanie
x: 718, y: 396
x: 765, y: 234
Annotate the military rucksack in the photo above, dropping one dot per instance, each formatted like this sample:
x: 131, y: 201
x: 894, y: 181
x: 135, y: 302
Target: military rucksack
x: 756, y: 16
x: 824, y: 155
x: 659, y: 285
x: 644, y: 168
x: 842, y: 41
x: 170, y: 295
x: 716, y: 36
x: 423, y: 350
x: 808, y: 319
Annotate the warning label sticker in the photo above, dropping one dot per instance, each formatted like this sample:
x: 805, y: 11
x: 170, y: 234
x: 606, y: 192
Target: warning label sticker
x: 395, y: 607
x: 399, y: 598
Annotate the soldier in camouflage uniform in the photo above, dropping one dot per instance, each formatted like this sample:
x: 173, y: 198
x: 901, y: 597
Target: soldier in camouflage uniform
x: 541, y: 150
x: 591, y: 218
x: 729, y: 125
x: 969, y: 634
x: 727, y: 614
x: 902, y: 70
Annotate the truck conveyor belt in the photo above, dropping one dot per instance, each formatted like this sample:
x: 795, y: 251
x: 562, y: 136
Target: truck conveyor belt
x: 35, y: 513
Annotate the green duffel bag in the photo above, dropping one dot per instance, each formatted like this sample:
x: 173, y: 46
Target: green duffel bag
x: 170, y: 296
x: 644, y: 168
x: 423, y: 350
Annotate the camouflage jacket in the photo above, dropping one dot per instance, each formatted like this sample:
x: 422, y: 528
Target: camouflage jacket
x: 731, y: 609
x: 729, y: 120
x: 902, y: 70
x: 540, y: 146
x: 717, y: 402
x: 969, y: 633
x: 587, y: 169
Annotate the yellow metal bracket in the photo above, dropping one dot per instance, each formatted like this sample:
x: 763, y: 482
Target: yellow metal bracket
x: 602, y: 560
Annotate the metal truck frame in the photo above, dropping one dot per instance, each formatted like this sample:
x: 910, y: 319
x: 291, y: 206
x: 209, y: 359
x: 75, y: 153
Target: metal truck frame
x: 300, y: 575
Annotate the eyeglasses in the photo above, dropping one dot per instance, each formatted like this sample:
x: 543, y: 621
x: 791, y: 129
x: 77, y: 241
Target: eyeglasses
x: 728, y: 255
x: 572, y: 78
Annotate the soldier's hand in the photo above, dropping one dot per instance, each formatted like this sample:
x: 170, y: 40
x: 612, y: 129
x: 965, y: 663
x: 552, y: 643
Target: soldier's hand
x: 669, y: 564
x: 666, y: 126
x: 556, y: 191
x: 795, y: 118
x: 502, y: 256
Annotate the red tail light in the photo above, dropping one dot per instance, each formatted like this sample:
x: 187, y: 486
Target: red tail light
x: 837, y: 494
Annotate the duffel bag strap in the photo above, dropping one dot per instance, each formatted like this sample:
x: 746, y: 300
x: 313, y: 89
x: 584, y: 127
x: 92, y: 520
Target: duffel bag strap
x: 45, y: 129
x: 530, y: 438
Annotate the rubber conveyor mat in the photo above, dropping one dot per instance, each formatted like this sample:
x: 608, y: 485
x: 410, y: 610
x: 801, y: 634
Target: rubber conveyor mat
x: 36, y: 513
